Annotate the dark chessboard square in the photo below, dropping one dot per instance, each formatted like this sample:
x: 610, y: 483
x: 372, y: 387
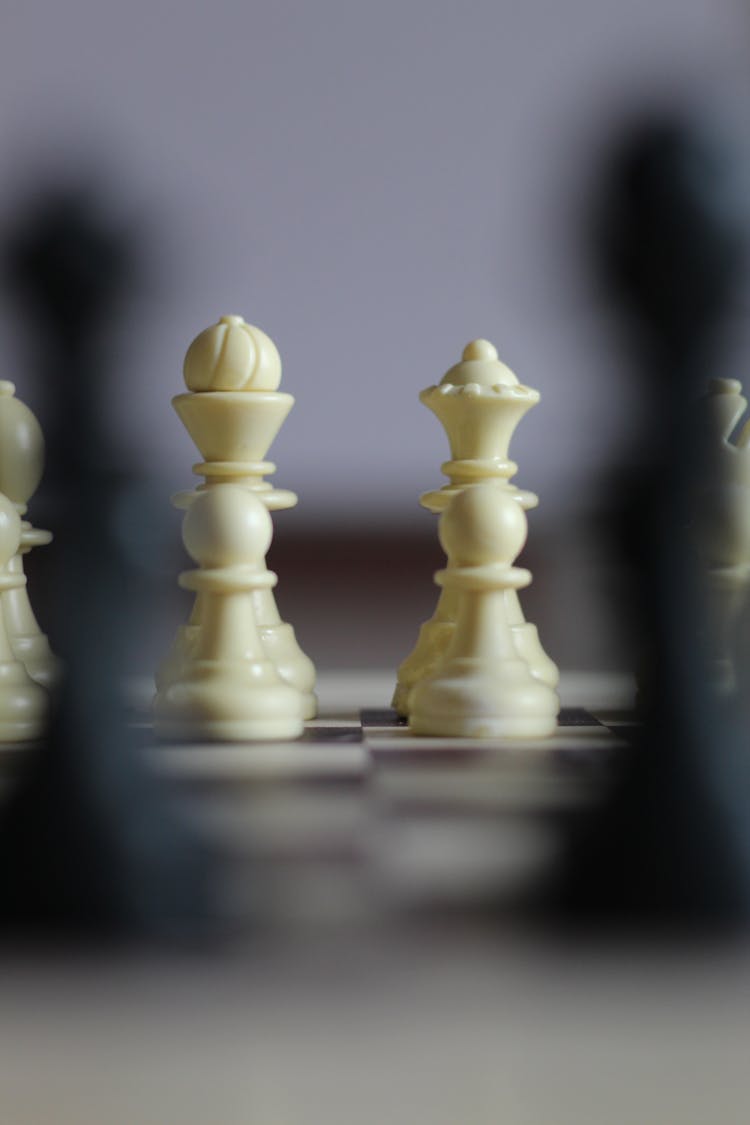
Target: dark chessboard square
x: 332, y: 734
x: 577, y: 717
x: 381, y: 717
x: 622, y: 718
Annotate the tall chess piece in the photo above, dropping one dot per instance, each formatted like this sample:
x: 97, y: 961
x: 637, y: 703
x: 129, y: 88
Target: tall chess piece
x: 24, y: 704
x: 483, y: 688
x: 479, y: 402
x: 233, y: 411
x: 21, y: 466
x: 671, y: 844
x: 91, y: 844
x: 227, y: 688
x: 722, y: 522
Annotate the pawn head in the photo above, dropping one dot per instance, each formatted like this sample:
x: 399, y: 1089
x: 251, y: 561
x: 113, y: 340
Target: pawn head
x: 227, y: 526
x: 232, y: 356
x: 484, y: 524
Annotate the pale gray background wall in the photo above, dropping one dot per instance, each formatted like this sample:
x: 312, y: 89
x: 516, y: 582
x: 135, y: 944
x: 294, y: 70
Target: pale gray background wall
x: 373, y: 184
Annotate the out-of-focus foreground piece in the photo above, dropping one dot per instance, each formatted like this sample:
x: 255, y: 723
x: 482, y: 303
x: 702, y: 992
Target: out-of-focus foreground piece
x: 672, y: 845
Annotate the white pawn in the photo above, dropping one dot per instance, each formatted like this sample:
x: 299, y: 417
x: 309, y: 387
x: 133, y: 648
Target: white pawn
x: 227, y: 688
x: 24, y: 705
x: 482, y: 688
x: 21, y: 465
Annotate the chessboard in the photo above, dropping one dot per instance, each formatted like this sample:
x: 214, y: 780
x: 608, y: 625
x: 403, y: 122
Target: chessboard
x: 374, y: 984
x: 360, y: 820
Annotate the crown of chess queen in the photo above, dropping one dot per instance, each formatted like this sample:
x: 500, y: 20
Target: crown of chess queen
x: 479, y: 402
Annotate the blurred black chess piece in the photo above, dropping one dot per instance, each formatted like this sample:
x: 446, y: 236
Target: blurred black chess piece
x: 70, y: 271
x: 672, y: 845
x: 89, y: 843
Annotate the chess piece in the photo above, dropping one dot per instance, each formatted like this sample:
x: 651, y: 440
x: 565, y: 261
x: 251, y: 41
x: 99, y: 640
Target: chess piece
x: 92, y: 846
x: 69, y: 264
x: 24, y: 704
x: 479, y: 402
x: 722, y: 522
x: 233, y: 411
x: 483, y: 688
x: 670, y: 846
x: 227, y: 687
x: 21, y: 464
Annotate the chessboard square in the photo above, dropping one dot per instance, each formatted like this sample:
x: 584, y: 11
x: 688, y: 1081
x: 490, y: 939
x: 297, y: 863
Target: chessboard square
x: 332, y: 733
x: 454, y: 789
x: 619, y: 719
x: 402, y: 742
x: 384, y: 718
x: 459, y: 860
x: 328, y: 722
x: 281, y: 821
x: 577, y: 717
x: 229, y: 762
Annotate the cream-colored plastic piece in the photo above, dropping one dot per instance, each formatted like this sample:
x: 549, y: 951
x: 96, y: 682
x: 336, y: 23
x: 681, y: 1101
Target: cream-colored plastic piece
x: 232, y: 356
x: 233, y: 411
x: 482, y: 688
x: 722, y: 523
x: 432, y: 641
x: 227, y: 689
x: 479, y: 402
x: 21, y: 467
x: 528, y: 645
x: 24, y: 704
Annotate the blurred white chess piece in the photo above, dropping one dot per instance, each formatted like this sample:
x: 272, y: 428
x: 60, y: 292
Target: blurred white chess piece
x: 24, y: 704
x: 21, y: 467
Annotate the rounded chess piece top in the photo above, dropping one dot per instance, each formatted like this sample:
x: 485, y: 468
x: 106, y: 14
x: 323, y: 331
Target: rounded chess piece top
x: 21, y: 447
x: 722, y: 386
x: 232, y: 356
x: 227, y: 526
x: 480, y: 366
x: 483, y: 526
